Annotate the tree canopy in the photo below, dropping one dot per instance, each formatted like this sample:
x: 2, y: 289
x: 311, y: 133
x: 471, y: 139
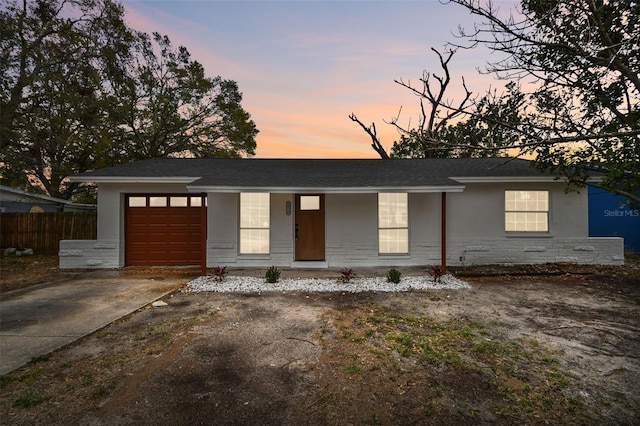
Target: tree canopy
x: 582, y: 60
x: 174, y: 109
x: 80, y: 90
x: 572, y: 98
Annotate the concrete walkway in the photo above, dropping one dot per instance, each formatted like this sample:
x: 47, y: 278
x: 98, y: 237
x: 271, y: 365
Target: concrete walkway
x: 40, y: 319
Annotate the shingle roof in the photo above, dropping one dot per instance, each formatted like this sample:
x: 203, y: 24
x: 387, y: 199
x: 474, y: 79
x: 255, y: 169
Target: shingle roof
x: 315, y: 173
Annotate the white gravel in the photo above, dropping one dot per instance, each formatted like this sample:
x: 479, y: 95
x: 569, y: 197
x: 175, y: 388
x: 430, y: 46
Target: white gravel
x: 237, y: 284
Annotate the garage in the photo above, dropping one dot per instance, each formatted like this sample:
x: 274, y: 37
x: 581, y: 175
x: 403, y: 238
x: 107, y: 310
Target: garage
x: 164, y: 229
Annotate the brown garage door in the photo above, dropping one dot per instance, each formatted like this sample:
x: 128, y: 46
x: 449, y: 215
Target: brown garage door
x: 163, y: 230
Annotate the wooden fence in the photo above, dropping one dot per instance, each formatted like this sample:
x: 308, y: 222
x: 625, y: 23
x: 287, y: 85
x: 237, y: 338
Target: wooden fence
x: 43, y: 231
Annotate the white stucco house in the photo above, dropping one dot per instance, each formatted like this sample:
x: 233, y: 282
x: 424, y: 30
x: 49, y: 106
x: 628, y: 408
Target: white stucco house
x: 334, y: 213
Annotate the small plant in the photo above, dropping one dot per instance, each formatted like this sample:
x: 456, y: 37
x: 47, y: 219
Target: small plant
x: 404, y: 343
x: 5, y: 380
x: 30, y: 400
x: 219, y: 273
x: 352, y: 369
x: 346, y: 275
x: 39, y: 358
x: 393, y: 276
x: 436, y: 273
x: 99, y: 391
x: 272, y: 275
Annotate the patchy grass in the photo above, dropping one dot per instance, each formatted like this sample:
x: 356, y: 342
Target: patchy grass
x: 456, y: 369
x: 30, y: 400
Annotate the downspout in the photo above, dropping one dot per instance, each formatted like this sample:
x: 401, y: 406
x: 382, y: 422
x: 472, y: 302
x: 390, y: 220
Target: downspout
x: 443, y: 235
x: 203, y: 233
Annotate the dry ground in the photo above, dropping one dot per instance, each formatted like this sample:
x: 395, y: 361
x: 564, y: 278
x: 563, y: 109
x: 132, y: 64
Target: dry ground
x: 557, y: 346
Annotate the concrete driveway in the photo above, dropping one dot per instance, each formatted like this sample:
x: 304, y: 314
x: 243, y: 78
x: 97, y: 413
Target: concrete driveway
x: 40, y: 319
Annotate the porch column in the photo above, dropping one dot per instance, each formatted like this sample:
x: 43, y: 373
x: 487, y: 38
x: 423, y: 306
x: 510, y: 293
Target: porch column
x: 443, y: 235
x: 203, y: 233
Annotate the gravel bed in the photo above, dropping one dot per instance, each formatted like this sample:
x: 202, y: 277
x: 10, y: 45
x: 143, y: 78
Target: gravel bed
x: 237, y: 284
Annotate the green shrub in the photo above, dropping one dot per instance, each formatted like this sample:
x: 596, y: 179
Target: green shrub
x: 272, y: 275
x: 393, y: 276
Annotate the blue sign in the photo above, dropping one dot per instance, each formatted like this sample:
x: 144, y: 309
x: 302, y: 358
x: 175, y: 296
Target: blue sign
x: 609, y: 218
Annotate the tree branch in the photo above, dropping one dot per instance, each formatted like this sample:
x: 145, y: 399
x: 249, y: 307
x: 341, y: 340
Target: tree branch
x: 371, y: 131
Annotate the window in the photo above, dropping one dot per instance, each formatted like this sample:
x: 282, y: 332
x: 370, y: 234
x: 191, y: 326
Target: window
x: 254, y: 223
x: 309, y: 202
x: 196, y: 201
x: 137, y: 201
x: 526, y: 211
x: 157, y: 201
x: 393, y: 223
x: 178, y: 201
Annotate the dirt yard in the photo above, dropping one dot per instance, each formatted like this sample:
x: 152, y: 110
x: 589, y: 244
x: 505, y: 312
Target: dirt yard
x: 560, y: 345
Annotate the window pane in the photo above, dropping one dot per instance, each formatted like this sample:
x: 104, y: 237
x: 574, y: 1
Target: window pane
x: 158, y: 201
x: 309, y: 202
x: 137, y: 201
x: 527, y: 222
x: 537, y: 222
x: 254, y: 241
x: 254, y: 210
x: 178, y: 201
x: 542, y: 201
x: 196, y: 201
x: 392, y: 210
x: 526, y: 201
x: 393, y: 241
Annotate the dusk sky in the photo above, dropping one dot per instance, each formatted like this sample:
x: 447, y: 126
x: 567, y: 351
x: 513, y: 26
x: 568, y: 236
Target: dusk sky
x: 304, y: 66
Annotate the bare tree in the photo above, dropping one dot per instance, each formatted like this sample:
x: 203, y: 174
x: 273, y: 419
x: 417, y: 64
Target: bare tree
x: 426, y: 139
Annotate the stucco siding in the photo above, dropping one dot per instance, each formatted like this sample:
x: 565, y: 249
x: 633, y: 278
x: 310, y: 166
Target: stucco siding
x: 478, y: 212
x: 222, y: 229
x: 351, y: 230
x: 223, y: 232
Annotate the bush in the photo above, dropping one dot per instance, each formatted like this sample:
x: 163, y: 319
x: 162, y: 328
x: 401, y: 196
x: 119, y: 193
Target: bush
x: 347, y: 275
x: 219, y: 273
x: 436, y: 273
x: 272, y: 275
x: 393, y: 276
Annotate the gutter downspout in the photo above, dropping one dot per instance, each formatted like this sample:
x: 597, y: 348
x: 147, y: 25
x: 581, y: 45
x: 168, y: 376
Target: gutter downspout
x: 443, y: 235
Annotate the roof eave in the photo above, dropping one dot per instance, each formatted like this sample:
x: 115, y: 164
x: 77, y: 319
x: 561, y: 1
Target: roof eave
x: 39, y: 197
x: 503, y: 179
x: 325, y: 190
x: 134, y: 179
